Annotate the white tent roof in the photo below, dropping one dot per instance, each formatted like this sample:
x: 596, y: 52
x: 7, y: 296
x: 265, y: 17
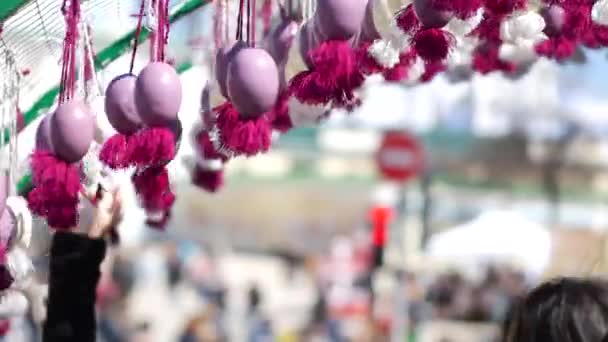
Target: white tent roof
x: 494, y: 237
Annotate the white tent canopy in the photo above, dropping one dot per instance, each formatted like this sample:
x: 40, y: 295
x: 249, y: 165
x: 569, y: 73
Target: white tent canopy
x: 494, y: 237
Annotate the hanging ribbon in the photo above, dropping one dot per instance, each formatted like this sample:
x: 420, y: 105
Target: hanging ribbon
x: 71, y: 12
x: 140, y: 18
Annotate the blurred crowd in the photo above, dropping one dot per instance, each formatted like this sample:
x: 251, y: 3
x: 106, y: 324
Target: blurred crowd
x: 180, y: 292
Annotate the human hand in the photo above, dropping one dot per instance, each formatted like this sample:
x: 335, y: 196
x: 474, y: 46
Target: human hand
x: 107, y: 213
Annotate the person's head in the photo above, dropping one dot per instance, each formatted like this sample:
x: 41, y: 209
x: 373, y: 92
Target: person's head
x: 563, y: 310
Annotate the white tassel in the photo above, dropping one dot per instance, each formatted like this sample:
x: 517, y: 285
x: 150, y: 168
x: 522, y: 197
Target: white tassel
x: 462, y: 28
x: 20, y: 267
x: 302, y: 114
x: 23, y: 219
x: 384, y: 53
x: 599, y: 12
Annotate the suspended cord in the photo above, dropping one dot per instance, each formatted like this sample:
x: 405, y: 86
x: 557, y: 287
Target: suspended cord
x: 140, y: 17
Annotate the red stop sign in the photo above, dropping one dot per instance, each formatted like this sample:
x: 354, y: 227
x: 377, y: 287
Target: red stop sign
x: 400, y: 157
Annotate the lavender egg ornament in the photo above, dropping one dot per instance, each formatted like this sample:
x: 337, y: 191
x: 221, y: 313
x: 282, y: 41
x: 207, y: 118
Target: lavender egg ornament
x: 120, y: 104
x: 340, y: 19
x: 429, y: 16
x: 43, y: 134
x: 555, y: 17
x: 253, y: 82
x: 158, y: 94
x: 72, y: 130
x: 222, y: 59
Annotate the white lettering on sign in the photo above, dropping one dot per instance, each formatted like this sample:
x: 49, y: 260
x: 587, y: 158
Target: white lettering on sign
x: 395, y: 158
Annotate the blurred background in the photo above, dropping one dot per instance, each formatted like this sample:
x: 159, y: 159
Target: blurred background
x: 506, y: 185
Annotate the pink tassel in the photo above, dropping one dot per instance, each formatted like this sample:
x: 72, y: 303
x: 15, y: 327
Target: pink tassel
x: 503, y: 8
x: 153, y: 146
x: 266, y: 16
x: 462, y: 9
x: 596, y: 37
x: 56, y: 190
x: 154, y: 189
x: 431, y: 70
x: 116, y: 152
x: 159, y: 224
x: 279, y: 116
x: 486, y: 60
x: 558, y: 48
x: 367, y: 63
x: 5, y: 327
x: 205, y: 146
x: 407, y: 20
x: 208, y: 180
x: 334, y: 76
x: 400, y: 71
x: 242, y: 136
x: 433, y: 45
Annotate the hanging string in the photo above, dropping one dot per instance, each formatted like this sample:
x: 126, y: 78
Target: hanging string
x: 226, y: 21
x: 239, y: 24
x: 253, y: 19
x: 140, y: 18
x: 218, y: 24
x: 267, y: 16
x: 162, y: 34
x: 248, y: 22
x: 68, y: 69
x: 153, y: 23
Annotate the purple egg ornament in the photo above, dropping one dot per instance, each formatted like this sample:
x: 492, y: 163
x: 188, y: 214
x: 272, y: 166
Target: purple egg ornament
x: 43, y: 134
x: 555, y: 17
x: 253, y: 82
x: 120, y: 104
x: 222, y: 59
x: 72, y: 130
x: 340, y: 19
x: 429, y: 16
x: 158, y: 94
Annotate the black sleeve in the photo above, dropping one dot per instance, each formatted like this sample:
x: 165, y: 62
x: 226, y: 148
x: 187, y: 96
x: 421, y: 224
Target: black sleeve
x: 74, y: 273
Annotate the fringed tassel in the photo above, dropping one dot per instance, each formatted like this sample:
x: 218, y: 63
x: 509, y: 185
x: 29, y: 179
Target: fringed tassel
x: 333, y: 77
x: 207, y: 179
x: 596, y: 37
x: 401, y: 71
x: 407, y: 20
x: 486, y: 60
x: 558, y: 48
x: 462, y: 9
x: 154, y: 190
x: 206, y: 147
x: 116, y: 152
x: 576, y: 27
x: 431, y: 70
x: 56, y: 190
x: 237, y: 136
x: 153, y: 146
x: 279, y: 116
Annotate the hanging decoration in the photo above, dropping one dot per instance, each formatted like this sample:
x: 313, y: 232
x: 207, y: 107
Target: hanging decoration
x: 68, y: 133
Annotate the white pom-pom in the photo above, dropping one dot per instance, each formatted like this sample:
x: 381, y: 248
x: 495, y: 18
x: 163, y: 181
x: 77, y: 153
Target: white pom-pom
x: 523, y: 26
x: 599, y: 12
x: 384, y: 53
x: 303, y: 114
x: 522, y: 53
x: 23, y: 218
x: 415, y: 72
x: 20, y: 267
x: 12, y: 304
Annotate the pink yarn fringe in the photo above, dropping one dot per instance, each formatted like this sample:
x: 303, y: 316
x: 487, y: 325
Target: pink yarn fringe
x: 367, y: 63
x: 486, y: 60
x: 462, y: 9
x: 154, y: 189
x: 433, y: 45
x: 116, y: 152
x: 559, y: 48
x: 334, y: 76
x: 400, y: 71
x: 503, y: 8
x: 206, y: 147
x: 154, y: 146
x: 596, y: 37
x: 56, y: 190
x: 431, y: 70
x: 279, y: 116
x: 208, y: 180
x: 242, y: 136
x: 407, y: 20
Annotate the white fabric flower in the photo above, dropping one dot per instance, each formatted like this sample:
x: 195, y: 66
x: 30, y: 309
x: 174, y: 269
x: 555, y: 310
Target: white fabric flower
x: 599, y: 12
x: 524, y: 26
x: 461, y: 28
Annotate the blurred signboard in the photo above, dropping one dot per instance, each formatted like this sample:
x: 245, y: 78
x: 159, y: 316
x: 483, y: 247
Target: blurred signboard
x: 400, y: 157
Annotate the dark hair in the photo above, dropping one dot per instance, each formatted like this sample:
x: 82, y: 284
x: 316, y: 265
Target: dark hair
x: 562, y: 310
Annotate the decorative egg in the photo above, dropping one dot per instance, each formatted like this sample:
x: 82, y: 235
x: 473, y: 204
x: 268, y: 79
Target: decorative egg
x: 554, y: 19
x: 222, y: 59
x: 253, y: 82
x: 340, y: 19
x: 72, y: 130
x: 158, y: 94
x: 429, y: 16
x: 43, y: 134
x: 120, y: 104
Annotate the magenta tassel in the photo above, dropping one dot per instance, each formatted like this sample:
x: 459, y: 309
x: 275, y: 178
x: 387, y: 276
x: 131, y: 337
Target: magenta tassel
x: 432, y: 45
x: 153, y: 146
x: 56, y: 190
x: 154, y: 189
x: 242, y: 136
x: 208, y: 180
x: 116, y: 152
